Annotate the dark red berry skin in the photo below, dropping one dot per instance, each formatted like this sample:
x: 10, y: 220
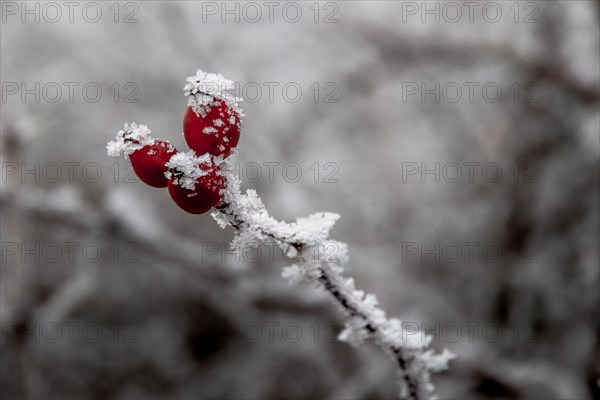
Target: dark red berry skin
x: 149, y: 163
x: 206, y: 195
x: 217, y: 133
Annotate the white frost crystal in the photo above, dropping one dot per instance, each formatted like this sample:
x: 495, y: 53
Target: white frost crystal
x: 184, y: 168
x: 355, y: 332
x: 129, y: 139
x: 438, y: 362
x: 293, y: 274
x: 204, y: 89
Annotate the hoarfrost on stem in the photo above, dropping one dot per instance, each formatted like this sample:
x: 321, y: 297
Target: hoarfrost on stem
x: 317, y: 258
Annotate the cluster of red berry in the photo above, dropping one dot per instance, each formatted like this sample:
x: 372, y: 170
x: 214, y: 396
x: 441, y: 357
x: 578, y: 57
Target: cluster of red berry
x: 211, y: 127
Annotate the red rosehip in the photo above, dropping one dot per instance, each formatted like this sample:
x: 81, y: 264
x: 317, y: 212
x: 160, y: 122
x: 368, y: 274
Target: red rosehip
x: 195, y: 183
x: 216, y: 130
x: 207, y: 193
x: 149, y: 163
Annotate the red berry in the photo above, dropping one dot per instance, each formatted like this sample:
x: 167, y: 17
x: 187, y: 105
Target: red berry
x: 215, y: 130
x: 195, y: 184
x: 149, y: 162
x: 206, y: 194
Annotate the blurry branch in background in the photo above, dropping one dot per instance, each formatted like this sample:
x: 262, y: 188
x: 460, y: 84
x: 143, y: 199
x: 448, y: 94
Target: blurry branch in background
x: 318, y: 259
x: 397, y: 49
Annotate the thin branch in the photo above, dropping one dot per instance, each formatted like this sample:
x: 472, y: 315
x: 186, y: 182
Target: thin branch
x: 253, y: 225
x: 411, y: 384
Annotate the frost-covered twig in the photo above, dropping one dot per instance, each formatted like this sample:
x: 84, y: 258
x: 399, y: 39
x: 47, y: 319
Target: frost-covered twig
x: 315, y: 257
x: 319, y: 259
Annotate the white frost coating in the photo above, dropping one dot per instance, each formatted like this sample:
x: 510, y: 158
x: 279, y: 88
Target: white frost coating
x: 129, y: 139
x: 316, y: 258
x: 184, y: 168
x: 438, y: 362
x: 355, y: 332
x: 204, y: 89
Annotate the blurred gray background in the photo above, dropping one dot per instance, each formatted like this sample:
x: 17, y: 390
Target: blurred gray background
x: 108, y: 290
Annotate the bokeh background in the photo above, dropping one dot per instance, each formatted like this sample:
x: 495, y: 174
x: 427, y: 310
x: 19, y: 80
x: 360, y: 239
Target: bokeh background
x: 108, y: 290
